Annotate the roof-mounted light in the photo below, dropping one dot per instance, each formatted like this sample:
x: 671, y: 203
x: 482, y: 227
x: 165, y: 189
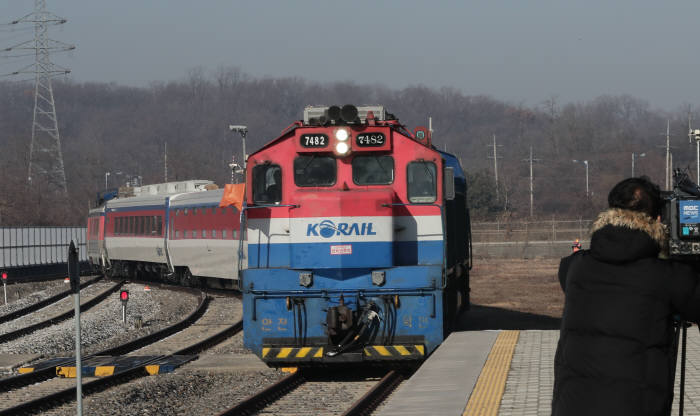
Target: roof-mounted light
x: 342, y: 135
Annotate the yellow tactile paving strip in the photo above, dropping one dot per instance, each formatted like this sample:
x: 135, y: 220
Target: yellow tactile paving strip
x: 486, y: 396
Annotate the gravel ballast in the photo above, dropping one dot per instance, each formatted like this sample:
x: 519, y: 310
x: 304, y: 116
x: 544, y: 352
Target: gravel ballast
x: 178, y: 393
x: 21, y: 295
x: 102, y: 326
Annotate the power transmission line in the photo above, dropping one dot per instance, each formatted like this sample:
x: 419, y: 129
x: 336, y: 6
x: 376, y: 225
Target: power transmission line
x: 45, y: 157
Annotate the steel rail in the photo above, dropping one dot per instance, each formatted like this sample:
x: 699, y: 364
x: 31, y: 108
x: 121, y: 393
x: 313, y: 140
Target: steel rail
x: 366, y: 404
x: 67, y: 395
x: 60, y: 318
x: 22, y: 380
x: 259, y: 400
x: 36, y: 306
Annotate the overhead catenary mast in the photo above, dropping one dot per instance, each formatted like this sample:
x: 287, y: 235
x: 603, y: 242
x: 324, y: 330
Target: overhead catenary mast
x: 45, y: 157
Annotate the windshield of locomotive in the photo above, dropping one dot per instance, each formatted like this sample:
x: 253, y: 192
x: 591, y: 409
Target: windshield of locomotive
x: 313, y: 170
x: 373, y: 170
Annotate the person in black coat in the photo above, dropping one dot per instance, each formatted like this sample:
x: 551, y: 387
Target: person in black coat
x: 616, y: 340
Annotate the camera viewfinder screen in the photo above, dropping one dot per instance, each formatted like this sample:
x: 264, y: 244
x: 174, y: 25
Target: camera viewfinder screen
x: 689, y: 218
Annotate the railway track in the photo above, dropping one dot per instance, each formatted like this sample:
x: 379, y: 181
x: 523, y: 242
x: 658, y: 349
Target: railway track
x: 43, y: 303
x: 54, y: 313
x: 213, y: 321
x: 308, y: 392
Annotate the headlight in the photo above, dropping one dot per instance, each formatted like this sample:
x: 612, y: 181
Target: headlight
x: 342, y: 148
x: 341, y: 135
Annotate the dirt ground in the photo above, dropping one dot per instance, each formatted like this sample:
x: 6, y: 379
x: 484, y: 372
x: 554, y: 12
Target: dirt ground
x: 517, y: 284
x: 514, y: 293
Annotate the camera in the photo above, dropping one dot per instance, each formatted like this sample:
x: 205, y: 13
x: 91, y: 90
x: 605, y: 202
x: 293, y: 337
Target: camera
x: 681, y: 215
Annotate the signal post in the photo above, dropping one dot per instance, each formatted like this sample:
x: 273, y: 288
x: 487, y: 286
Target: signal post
x: 4, y: 285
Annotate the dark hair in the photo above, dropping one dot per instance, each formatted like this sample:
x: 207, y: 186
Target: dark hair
x: 636, y: 194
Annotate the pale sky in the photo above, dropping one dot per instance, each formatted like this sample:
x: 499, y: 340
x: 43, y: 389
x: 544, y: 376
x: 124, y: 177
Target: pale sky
x: 519, y: 51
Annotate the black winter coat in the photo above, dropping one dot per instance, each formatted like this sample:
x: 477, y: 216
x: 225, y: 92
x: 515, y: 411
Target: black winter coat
x: 613, y: 356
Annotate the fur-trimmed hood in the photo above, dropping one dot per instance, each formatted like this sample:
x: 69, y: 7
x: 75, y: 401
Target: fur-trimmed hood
x: 616, y: 235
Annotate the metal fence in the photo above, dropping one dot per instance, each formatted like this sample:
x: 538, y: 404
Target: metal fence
x: 35, y: 246
x: 531, y: 231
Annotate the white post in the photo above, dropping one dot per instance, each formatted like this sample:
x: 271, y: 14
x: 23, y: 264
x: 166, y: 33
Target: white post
x: 78, y: 358
x: 74, y: 276
x: 4, y: 288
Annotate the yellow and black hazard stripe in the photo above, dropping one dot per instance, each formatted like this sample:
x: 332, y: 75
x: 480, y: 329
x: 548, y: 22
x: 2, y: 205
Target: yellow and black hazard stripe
x: 292, y: 353
x: 370, y: 352
x: 394, y: 352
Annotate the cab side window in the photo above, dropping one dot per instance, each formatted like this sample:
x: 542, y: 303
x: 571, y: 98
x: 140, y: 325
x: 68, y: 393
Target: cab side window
x: 267, y: 184
x: 422, y: 182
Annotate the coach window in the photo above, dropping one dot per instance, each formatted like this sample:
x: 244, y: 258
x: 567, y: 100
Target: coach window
x: 223, y: 234
x: 204, y: 233
x: 422, y: 182
x: 132, y: 225
x: 373, y: 170
x: 213, y: 233
x: 177, y: 234
x: 267, y: 184
x: 159, y: 225
x: 184, y: 211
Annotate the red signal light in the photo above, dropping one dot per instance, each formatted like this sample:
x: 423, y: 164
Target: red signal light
x: 4, y: 275
x: 124, y: 295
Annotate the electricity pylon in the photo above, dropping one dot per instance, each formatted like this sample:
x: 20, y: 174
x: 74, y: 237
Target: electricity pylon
x: 45, y: 157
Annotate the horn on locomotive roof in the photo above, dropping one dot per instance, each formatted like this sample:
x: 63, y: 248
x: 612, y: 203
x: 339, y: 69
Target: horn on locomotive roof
x: 333, y: 113
x: 349, y: 113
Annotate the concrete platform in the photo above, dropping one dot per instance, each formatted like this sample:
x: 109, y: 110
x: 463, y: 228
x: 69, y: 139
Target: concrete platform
x: 9, y: 362
x: 225, y: 363
x: 517, y: 378
x: 442, y: 384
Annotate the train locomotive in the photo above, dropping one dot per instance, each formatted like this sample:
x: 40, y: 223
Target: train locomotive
x: 358, y: 241
x: 352, y: 242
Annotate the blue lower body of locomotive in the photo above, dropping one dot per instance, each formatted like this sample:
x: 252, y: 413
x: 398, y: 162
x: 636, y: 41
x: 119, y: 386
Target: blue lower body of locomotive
x: 287, y: 317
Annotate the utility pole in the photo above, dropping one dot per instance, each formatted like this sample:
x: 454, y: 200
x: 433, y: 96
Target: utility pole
x: 585, y: 162
x: 532, y: 198
x: 634, y: 156
x: 669, y: 160
x: 165, y: 162
x: 668, y: 155
x: 45, y: 157
x: 495, y: 163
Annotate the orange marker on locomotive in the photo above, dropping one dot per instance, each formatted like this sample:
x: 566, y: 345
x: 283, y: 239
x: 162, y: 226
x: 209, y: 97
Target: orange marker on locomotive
x: 358, y: 241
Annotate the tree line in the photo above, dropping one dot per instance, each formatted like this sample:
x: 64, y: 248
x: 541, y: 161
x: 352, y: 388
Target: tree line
x: 106, y: 127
